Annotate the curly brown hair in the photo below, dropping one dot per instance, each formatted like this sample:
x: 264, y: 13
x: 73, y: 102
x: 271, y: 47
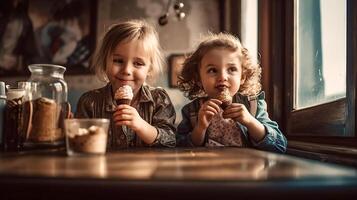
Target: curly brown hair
x: 189, y: 79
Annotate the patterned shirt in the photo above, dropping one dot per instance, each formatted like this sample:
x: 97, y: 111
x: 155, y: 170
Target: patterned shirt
x: 274, y: 140
x: 154, y: 106
x: 223, y: 132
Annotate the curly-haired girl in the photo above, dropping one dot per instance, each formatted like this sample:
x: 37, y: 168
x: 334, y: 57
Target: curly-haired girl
x: 223, y: 81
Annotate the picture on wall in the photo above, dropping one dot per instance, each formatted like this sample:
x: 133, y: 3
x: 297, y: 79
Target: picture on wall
x: 46, y: 31
x: 175, y: 67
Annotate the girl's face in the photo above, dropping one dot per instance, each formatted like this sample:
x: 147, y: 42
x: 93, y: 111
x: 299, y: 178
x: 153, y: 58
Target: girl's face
x: 129, y: 64
x: 220, y: 68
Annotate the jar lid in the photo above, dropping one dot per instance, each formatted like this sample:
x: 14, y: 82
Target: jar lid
x: 15, y: 93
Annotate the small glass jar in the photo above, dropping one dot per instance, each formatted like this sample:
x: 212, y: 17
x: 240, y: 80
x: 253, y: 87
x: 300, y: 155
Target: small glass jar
x: 13, y: 110
x: 44, y: 113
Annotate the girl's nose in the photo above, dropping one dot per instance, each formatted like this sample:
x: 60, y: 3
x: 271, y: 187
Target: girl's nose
x: 223, y: 76
x: 126, y: 69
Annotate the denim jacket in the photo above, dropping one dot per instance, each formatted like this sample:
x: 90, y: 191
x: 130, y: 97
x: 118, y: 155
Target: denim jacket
x: 155, y: 107
x: 274, y: 140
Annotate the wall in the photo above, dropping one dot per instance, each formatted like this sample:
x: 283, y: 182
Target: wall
x: 175, y: 37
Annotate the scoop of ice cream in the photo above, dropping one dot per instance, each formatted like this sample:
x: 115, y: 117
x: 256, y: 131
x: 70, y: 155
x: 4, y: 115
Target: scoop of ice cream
x: 124, y: 92
x: 225, y: 97
x: 91, y: 140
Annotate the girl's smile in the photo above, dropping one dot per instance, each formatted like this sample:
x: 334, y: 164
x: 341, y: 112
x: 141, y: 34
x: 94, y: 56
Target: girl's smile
x: 123, y: 81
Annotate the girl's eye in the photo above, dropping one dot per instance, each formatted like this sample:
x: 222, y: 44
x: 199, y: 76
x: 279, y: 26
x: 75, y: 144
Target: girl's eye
x: 232, y: 69
x: 118, y: 61
x: 139, y: 64
x: 211, y: 70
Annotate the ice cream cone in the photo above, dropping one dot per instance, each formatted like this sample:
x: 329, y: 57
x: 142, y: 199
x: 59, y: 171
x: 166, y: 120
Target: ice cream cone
x: 123, y: 95
x: 123, y: 101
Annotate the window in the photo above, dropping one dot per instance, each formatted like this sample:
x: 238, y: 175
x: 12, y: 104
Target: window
x: 310, y: 70
x: 320, y: 51
x: 318, y: 72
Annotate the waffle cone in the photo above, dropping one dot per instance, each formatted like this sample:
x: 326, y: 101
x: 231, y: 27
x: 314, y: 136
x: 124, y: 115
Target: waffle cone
x: 123, y: 101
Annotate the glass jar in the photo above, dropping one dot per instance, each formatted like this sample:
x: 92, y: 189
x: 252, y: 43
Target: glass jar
x: 13, y: 110
x: 44, y: 113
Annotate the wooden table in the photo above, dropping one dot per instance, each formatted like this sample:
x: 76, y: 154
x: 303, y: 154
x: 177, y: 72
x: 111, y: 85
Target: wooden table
x: 199, y: 173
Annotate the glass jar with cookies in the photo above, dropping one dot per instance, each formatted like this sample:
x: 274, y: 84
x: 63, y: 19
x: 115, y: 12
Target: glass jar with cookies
x: 44, y: 113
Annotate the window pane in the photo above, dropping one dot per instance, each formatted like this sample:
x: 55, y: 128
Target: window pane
x: 249, y: 29
x: 320, y: 51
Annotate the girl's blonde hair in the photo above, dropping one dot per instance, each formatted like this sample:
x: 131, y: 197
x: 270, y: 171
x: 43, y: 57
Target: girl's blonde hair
x: 125, y: 32
x: 189, y: 80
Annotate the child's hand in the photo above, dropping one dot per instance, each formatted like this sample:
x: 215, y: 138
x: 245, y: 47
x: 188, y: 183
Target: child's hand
x: 238, y: 112
x: 129, y: 116
x: 207, y: 111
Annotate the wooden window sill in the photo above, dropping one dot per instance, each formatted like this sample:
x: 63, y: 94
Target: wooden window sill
x: 323, y: 152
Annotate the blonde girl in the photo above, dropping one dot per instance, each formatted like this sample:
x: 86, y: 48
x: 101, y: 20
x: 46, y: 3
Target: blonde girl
x: 130, y: 54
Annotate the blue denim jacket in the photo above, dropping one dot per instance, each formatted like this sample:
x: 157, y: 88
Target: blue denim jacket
x: 274, y: 140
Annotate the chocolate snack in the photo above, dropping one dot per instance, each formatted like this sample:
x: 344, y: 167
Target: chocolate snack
x: 225, y: 97
x: 44, y: 121
x: 11, y: 139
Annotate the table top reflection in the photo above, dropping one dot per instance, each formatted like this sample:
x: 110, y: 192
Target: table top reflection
x: 233, y: 164
x: 209, y: 168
